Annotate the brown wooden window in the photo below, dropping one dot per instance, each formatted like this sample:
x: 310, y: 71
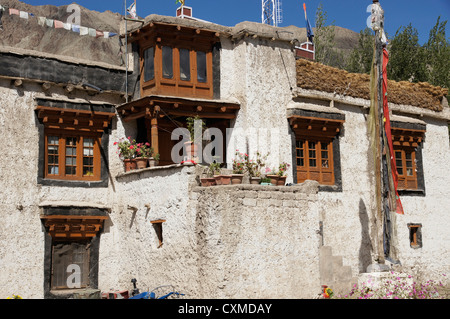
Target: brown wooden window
x: 72, y: 156
x: 407, y: 145
x: 315, y: 160
x: 405, y: 160
x: 149, y: 64
x: 177, y: 71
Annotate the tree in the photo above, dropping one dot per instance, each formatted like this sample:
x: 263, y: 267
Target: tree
x: 406, y: 62
x: 324, y: 44
x: 437, y: 56
x: 360, y: 60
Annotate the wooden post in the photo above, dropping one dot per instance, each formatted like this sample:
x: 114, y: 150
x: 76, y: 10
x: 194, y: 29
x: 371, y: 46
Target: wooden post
x: 154, y: 134
x: 379, y: 142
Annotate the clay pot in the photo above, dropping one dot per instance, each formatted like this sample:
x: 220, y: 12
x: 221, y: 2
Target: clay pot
x: 129, y: 164
x: 191, y: 149
x: 152, y: 162
x: 236, y: 178
x: 273, y: 179
x: 255, y: 180
x: 281, y: 181
x: 210, y: 181
x: 141, y: 162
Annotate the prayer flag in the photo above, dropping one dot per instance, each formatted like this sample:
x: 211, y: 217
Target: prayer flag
x: 84, y: 31
x: 49, y: 22
x: 99, y: 34
x: 67, y: 26
x: 92, y: 32
x: 13, y: 11
x: 41, y: 21
x: 59, y: 24
x: 23, y: 14
x: 76, y: 28
x: 132, y: 10
x: 309, y: 32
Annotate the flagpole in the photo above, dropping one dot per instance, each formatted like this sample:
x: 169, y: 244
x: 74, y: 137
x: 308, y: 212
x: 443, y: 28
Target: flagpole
x: 126, y: 51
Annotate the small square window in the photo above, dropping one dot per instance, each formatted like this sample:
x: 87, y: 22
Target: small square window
x: 415, y: 235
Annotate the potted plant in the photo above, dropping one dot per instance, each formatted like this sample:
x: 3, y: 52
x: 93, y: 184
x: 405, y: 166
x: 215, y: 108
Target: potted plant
x: 265, y: 181
x: 209, y: 180
x: 282, y: 171
x: 238, y: 167
x: 214, y: 168
x: 143, y: 154
x: 272, y: 175
x: 254, y: 167
x: 154, y: 160
x: 126, y: 150
x: 192, y: 145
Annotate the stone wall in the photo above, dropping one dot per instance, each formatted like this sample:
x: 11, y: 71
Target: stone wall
x: 257, y: 241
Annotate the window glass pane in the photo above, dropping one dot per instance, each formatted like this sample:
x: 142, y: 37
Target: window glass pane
x: 201, y: 67
x: 71, y: 156
x: 53, y: 155
x: 185, y: 65
x: 167, y: 63
x: 88, y: 156
x: 149, y: 64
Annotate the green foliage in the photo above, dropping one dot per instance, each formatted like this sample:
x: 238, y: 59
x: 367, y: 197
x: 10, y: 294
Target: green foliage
x: 407, y: 57
x: 437, y: 53
x: 361, y: 58
x: 324, y: 41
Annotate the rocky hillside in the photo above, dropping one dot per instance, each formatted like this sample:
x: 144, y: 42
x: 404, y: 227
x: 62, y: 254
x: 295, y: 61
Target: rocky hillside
x: 28, y: 34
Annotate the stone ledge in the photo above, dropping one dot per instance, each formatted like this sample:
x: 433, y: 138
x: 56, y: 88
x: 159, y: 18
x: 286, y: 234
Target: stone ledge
x: 308, y: 187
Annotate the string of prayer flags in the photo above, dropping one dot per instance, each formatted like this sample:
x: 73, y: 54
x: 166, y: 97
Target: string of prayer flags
x: 57, y: 24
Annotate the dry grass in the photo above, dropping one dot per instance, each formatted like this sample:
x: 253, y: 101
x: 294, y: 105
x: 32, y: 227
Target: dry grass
x: 316, y: 76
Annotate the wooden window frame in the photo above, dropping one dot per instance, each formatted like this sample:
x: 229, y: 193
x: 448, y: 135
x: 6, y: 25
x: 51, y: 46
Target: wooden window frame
x: 317, y: 172
x: 176, y: 86
x: 80, y: 136
x: 405, y: 180
x: 408, y: 141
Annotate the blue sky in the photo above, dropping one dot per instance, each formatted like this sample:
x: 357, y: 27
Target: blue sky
x: 350, y: 14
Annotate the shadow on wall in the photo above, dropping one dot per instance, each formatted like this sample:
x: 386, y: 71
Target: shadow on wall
x: 365, y: 249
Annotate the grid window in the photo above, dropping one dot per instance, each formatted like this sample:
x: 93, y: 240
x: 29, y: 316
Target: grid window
x: 149, y: 64
x: 314, y: 160
x: 72, y: 157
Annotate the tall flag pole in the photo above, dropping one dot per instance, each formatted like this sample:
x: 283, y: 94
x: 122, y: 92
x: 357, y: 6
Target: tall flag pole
x: 387, y: 199
x: 309, y: 32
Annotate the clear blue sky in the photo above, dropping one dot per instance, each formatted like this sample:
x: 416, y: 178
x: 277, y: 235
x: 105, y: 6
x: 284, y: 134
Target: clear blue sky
x: 350, y: 14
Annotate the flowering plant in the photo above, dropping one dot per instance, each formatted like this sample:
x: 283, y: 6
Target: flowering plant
x: 399, y: 286
x: 254, y: 166
x: 239, y: 162
x: 144, y: 150
x: 126, y: 148
x: 283, y: 168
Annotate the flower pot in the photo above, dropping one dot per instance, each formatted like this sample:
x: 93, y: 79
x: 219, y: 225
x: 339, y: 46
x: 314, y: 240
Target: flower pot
x: 236, y: 178
x: 152, y: 162
x: 191, y: 149
x: 225, y: 179
x: 210, y: 181
x: 218, y: 179
x: 129, y: 164
x: 141, y: 162
x: 255, y: 180
x: 281, y: 181
x: 273, y: 179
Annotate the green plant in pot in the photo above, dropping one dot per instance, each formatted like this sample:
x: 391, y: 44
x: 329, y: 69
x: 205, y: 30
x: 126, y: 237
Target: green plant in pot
x: 194, y: 123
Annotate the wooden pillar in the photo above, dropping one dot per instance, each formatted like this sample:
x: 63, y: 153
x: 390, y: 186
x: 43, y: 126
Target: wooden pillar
x: 154, y: 134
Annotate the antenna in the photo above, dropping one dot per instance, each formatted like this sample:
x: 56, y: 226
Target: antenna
x: 271, y: 12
